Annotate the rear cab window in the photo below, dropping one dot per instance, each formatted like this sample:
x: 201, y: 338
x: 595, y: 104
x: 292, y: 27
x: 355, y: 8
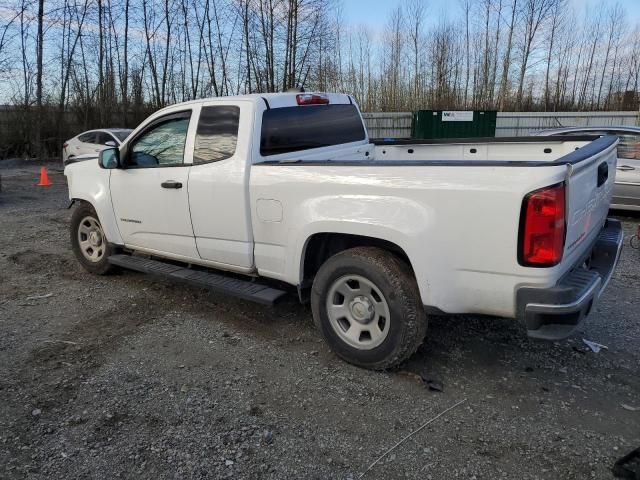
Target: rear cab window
x: 300, y: 128
x: 217, y: 133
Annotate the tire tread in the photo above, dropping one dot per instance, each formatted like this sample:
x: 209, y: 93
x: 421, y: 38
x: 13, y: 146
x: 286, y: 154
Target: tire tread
x: 405, y: 287
x: 103, y: 267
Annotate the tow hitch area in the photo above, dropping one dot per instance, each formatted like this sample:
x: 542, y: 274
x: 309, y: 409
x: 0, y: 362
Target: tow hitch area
x: 555, y: 313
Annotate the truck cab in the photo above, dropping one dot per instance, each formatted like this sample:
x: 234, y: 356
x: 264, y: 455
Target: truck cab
x: 182, y: 186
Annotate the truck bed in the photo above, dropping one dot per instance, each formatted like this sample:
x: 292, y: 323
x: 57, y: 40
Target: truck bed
x: 513, y: 150
x: 459, y: 226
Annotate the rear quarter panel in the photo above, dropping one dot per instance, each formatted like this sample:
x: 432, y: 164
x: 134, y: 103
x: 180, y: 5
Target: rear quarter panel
x: 458, y: 225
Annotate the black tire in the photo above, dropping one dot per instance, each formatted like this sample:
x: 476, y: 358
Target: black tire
x: 101, y: 265
x: 396, y: 282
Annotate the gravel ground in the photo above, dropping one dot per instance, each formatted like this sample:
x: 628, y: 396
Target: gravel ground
x: 129, y: 377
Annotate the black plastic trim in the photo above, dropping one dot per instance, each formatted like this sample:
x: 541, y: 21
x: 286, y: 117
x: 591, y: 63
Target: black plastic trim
x: 407, y: 163
x: 603, y: 174
x: 480, y: 140
x: 597, y: 145
x: 216, y: 282
x: 171, y: 184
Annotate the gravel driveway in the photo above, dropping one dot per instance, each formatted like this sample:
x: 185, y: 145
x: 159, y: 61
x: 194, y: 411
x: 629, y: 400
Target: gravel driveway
x: 126, y: 376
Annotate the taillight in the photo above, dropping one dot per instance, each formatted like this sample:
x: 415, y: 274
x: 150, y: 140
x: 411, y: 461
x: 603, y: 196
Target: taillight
x: 312, y: 99
x: 542, y: 227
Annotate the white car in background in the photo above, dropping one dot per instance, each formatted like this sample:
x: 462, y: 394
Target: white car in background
x: 626, y: 192
x: 92, y: 142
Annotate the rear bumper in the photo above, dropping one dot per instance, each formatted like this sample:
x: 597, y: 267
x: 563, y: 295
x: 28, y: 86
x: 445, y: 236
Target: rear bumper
x: 556, y: 312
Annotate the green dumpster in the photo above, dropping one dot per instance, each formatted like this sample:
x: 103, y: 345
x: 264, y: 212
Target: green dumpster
x: 453, y: 124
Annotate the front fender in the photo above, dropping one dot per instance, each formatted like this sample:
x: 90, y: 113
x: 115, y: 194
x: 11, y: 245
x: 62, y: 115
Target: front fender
x: 90, y: 183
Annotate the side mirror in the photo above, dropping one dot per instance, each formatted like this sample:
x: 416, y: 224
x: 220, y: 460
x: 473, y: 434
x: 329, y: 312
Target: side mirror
x: 110, y: 143
x: 109, y: 158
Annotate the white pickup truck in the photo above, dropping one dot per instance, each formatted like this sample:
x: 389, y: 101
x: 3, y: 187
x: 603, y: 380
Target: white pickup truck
x: 252, y: 194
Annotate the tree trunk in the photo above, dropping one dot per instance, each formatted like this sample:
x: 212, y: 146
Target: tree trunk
x: 39, y: 114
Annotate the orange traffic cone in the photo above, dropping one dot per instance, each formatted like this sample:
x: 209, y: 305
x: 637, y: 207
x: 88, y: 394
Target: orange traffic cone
x: 44, y: 178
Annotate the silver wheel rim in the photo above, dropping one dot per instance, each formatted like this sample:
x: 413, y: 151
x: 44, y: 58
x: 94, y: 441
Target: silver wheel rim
x: 358, y: 312
x: 91, y: 239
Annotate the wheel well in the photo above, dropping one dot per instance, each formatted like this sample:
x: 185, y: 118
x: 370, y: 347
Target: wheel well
x: 322, y: 246
x: 80, y: 201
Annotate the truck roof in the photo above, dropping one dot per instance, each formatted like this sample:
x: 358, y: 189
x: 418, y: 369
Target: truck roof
x: 271, y: 100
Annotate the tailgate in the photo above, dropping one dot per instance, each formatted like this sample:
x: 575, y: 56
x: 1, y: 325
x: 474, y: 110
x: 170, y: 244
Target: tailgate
x: 590, y: 181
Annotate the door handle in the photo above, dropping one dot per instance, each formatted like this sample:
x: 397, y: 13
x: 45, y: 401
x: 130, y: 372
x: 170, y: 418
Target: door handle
x: 603, y: 173
x: 625, y: 168
x: 171, y: 184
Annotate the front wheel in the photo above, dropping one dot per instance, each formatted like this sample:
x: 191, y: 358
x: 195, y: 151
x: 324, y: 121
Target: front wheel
x: 89, y: 242
x: 366, y: 304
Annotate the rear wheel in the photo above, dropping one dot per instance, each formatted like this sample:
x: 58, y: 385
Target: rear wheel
x: 89, y: 242
x: 366, y: 303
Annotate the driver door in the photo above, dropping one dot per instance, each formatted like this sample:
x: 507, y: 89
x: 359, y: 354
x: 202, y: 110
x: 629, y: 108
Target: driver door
x: 149, y: 192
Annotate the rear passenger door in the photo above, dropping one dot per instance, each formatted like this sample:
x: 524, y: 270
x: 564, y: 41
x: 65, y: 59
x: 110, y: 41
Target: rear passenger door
x: 218, y: 184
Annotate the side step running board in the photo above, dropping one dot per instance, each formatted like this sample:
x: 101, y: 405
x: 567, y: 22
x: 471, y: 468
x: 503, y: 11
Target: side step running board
x: 212, y: 281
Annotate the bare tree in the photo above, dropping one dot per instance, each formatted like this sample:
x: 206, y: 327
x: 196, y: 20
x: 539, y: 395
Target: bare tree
x: 124, y: 77
x: 506, y: 63
x: 466, y: 6
x: 556, y: 19
x: 614, y: 27
x: 534, y: 13
x: 39, y: 47
x: 415, y: 13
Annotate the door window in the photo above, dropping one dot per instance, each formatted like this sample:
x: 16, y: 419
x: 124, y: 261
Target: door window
x: 103, y: 138
x: 217, y: 133
x: 162, y: 144
x: 89, y: 137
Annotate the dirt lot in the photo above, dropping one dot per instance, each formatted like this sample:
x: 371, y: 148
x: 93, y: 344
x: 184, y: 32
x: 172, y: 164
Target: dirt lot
x: 129, y: 377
